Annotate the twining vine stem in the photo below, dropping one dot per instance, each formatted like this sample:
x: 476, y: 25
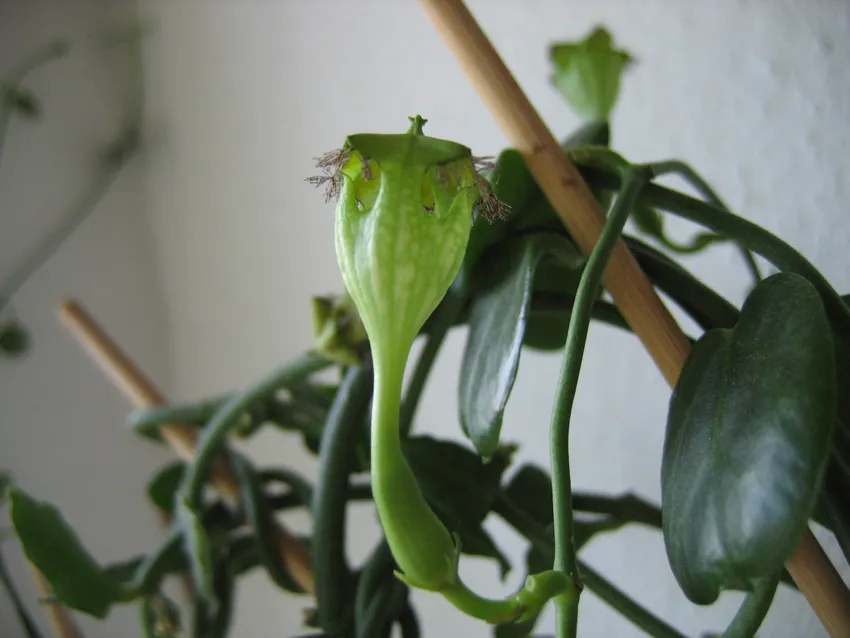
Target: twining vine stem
x: 565, y: 554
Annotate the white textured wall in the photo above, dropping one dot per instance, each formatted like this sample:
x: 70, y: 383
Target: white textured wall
x: 62, y: 431
x: 243, y: 95
x: 754, y: 94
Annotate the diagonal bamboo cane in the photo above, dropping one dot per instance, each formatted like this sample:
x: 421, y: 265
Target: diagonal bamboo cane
x: 142, y: 393
x: 631, y: 289
x: 61, y: 620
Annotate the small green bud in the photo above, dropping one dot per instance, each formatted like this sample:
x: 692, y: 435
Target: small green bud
x: 588, y: 73
x: 338, y: 331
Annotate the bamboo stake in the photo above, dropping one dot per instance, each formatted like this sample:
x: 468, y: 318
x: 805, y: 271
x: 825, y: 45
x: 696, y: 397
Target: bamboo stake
x: 60, y: 617
x: 631, y: 289
x: 142, y: 393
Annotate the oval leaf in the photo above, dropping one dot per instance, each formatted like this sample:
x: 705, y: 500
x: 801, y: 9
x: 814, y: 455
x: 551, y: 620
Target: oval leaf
x: 75, y: 578
x: 454, y: 481
x: 587, y: 73
x: 496, y: 326
x: 747, y: 441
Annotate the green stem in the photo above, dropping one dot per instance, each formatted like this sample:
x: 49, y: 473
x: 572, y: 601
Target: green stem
x: 294, y: 499
x: 260, y: 517
x: 424, y: 550
x: 752, y: 611
x: 536, y: 534
x: 493, y: 611
x: 336, y: 461
x: 164, y: 560
x: 229, y: 414
x: 298, y: 485
x: 687, y: 173
x: 442, y: 321
x: 384, y: 608
x: 30, y: 628
x: 147, y: 420
x: 41, y: 57
x: 51, y: 243
x: 722, y: 222
x: 565, y: 557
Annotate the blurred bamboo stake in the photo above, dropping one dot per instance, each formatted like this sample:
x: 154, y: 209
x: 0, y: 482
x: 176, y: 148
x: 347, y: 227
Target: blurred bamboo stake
x: 632, y: 291
x: 60, y: 617
x: 142, y: 393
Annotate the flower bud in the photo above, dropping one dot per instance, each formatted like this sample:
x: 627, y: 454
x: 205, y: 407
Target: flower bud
x: 406, y: 204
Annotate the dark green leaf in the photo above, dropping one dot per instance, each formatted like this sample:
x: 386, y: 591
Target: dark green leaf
x: 594, y: 133
x: 528, y: 209
x: 261, y: 519
x: 496, y: 327
x: 50, y: 544
x: 514, y: 186
x: 124, y: 572
x: 587, y: 73
x: 164, y: 486
x: 385, y: 607
x: 531, y: 489
x: 512, y: 182
x: 160, y: 617
x: 546, y: 330
x: 377, y: 570
x: 14, y: 339
x: 704, y: 305
x: 537, y: 214
x: 454, y: 481
x: 169, y: 558
x: 198, y: 548
x: 475, y: 541
x: 747, y: 440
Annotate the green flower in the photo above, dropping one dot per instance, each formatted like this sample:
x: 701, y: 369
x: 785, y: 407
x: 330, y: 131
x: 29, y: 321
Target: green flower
x: 406, y: 204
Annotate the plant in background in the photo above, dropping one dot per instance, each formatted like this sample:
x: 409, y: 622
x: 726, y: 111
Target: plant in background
x: 429, y: 239
x: 18, y: 101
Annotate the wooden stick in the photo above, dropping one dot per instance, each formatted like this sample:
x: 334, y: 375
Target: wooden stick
x: 142, y: 393
x: 818, y: 579
x: 60, y: 617
x: 631, y: 289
